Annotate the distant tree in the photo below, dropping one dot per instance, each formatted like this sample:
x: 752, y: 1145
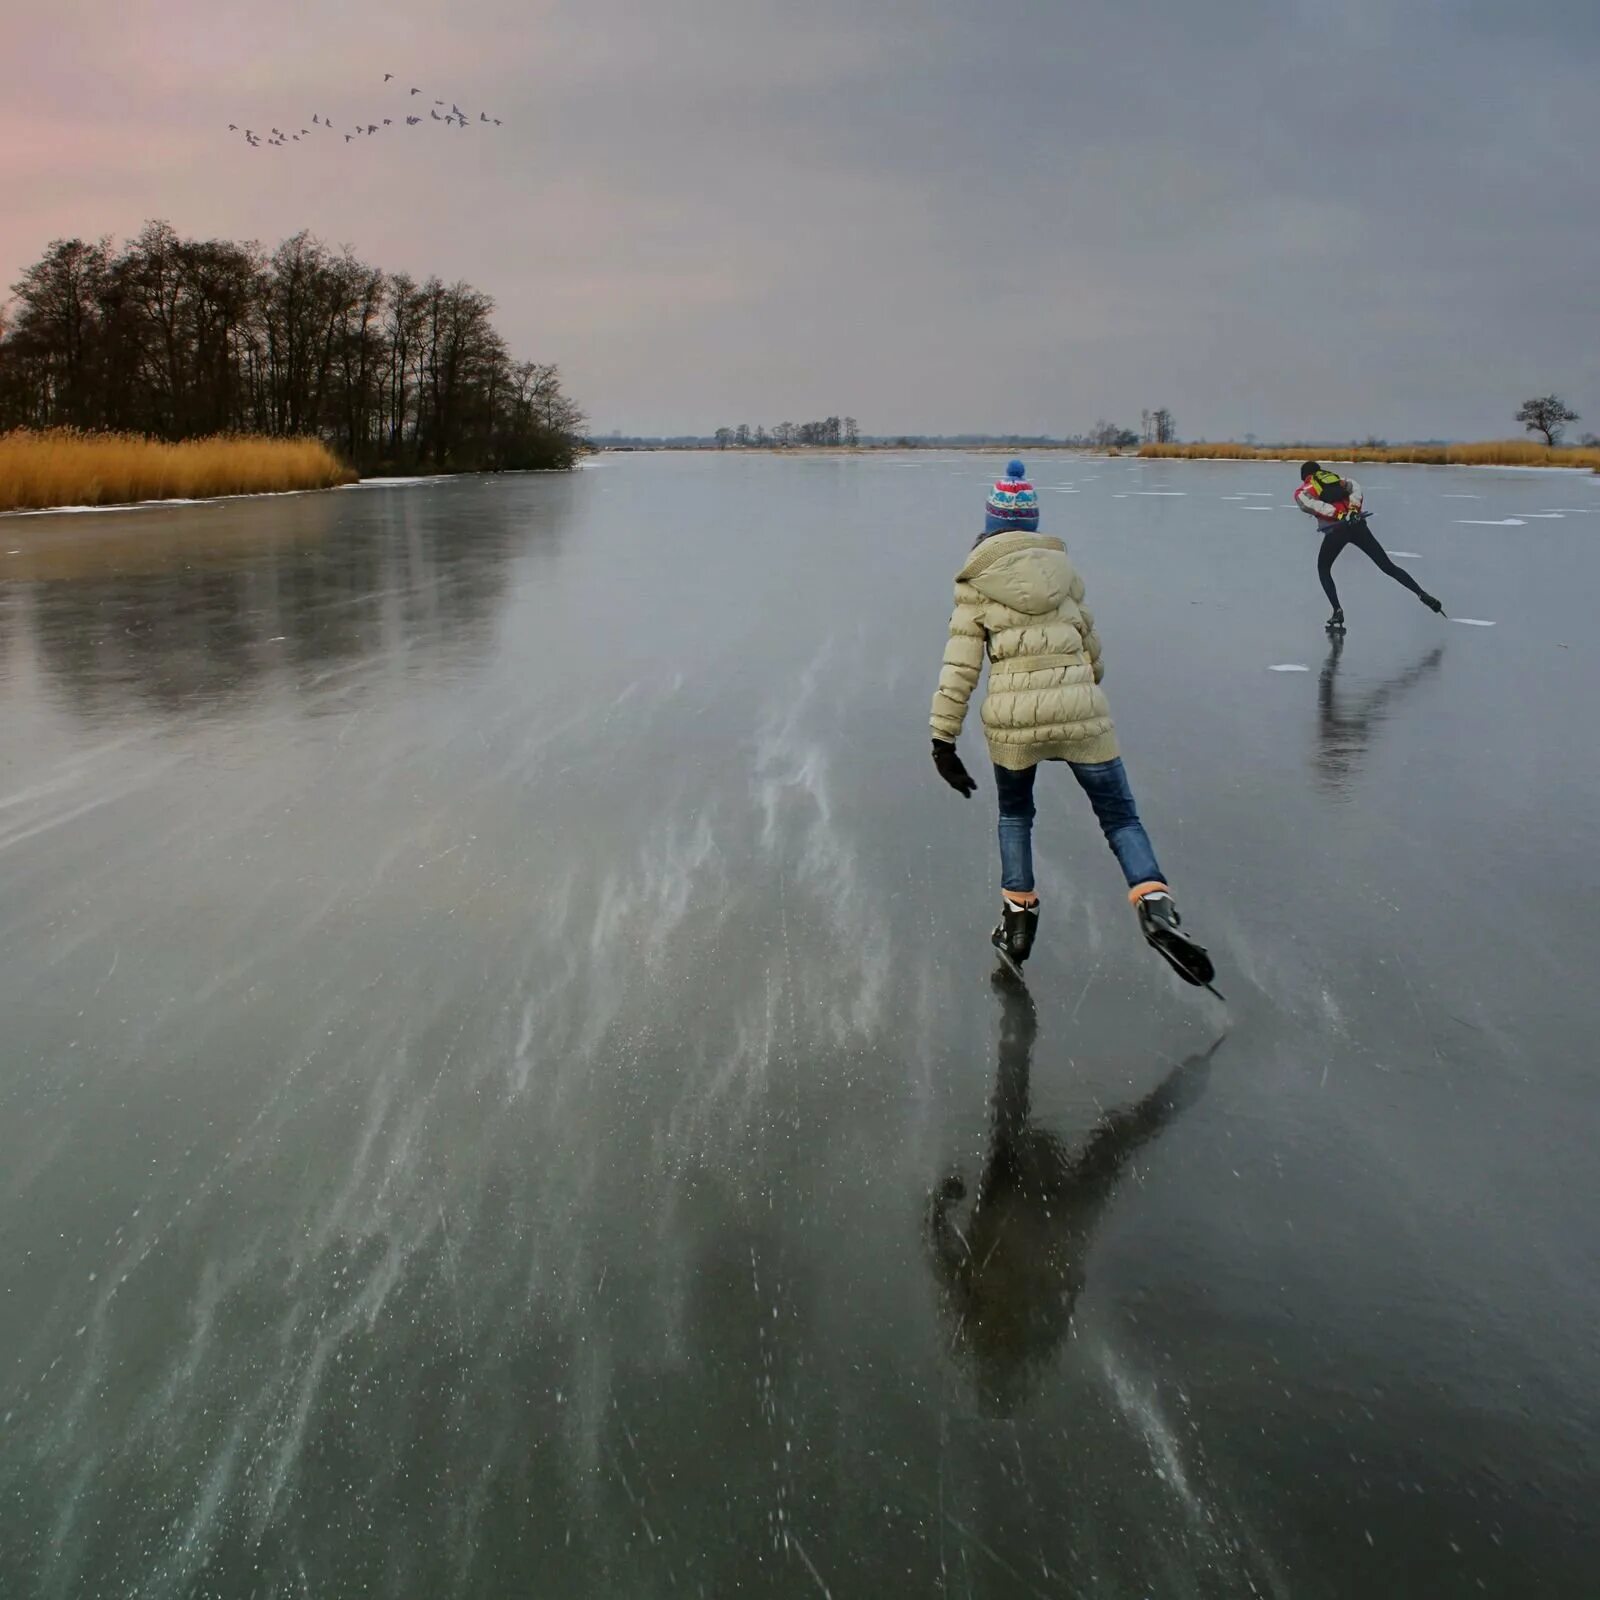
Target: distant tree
x: 783, y: 434
x: 1165, y: 425
x: 1590, y: 441
x: 761, y: 436
x: 1109, y: 436
x: 852, y: 432
x: 724, y: 438
x: 1546, y: 414
x: 741, y: 435
x: 175, y: 338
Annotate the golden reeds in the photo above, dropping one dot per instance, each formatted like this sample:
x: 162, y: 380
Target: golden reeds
x: 1488, y: 453
x: 63, y: 467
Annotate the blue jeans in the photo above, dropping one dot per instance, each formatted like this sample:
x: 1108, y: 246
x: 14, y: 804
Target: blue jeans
x: 1106, y: 784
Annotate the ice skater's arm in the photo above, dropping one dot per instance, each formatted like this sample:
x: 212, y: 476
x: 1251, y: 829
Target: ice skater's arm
x: 1091, y: 644
x: 1305, y: 497
x: 959, y: 672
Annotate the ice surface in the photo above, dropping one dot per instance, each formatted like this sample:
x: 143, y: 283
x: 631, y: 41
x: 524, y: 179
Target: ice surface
x: 495, y: 999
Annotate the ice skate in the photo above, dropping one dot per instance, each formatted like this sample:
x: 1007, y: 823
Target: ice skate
x: 1159, y: 922
x: 1014, y: 933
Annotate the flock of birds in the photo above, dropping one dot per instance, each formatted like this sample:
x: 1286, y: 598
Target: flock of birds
x: 276, y: 138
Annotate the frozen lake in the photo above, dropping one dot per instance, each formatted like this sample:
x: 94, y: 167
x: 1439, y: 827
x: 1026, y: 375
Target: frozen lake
x: 492, y: 988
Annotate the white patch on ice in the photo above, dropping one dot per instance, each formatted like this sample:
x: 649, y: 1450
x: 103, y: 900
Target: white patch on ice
x: 156, y: 505
x: 1404, y: 555
x: 1119, y: 497
x: 1288, y: 666
x: 1170, y: 493
x: 1257, y: 494
x: 1472, y: 622
x: 1554, y: 516
x: 1463, y: 497
x: 1255, y: 508
x: 397, y: 483
x: 1491, y: 522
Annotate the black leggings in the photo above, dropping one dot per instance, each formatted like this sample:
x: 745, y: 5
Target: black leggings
x: 1356, y: 532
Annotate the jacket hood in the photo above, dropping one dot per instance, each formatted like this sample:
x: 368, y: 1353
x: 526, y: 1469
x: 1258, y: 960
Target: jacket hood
x: 1029, y: 572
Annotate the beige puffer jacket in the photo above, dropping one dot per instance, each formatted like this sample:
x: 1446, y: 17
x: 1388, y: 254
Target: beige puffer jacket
x: 1020, y: 601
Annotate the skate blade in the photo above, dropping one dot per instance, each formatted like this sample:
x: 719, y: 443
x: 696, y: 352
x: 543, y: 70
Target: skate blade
x: 1010, y: 965
x: 1184, y: 972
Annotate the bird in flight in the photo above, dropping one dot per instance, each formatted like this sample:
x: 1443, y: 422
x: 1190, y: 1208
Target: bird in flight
x: 278, y: 138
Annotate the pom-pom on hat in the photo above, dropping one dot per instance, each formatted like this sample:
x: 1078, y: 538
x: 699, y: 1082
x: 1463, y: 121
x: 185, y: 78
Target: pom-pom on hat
x: 1012, y: 505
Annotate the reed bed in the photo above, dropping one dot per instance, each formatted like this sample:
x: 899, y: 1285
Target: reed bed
x: 1486, y: 453
x: 62, y: 467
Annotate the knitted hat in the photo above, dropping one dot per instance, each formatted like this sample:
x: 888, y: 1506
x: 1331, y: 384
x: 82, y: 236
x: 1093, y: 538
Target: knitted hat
x: 1012, y: 505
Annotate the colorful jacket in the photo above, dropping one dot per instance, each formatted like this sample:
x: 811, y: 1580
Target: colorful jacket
x: 1329, y: 498
x: 1019, y: 603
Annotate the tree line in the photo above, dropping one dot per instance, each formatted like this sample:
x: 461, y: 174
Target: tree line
x: 829, y: 431
x: 178, y: 338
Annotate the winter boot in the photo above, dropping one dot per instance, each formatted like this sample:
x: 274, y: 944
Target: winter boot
x: 1013, y: 934
x: 1159, y: 922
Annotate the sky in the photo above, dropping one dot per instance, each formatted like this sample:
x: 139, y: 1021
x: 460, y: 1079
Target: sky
x: 1293, y: 220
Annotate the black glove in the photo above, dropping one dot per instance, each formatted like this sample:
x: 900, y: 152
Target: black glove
x: 950, y: 768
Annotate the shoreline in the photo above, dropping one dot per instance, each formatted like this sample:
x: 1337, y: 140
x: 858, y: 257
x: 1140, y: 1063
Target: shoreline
x: 1515, y: 454
x: 169, y: 501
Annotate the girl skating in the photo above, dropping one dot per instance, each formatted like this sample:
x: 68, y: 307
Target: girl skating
x: 1019, y: 603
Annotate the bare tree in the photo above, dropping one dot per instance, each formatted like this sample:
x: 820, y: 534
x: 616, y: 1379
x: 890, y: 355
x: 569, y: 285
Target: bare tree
x: 724, y: 438
x: 852, y: 432
x: 177, y: 337
x: 1546, y: 414
x: 1109, y: 436
x: 1165, y: 425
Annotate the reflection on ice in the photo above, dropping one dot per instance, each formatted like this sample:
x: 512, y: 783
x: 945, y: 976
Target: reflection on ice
x: 1011, y: 1273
